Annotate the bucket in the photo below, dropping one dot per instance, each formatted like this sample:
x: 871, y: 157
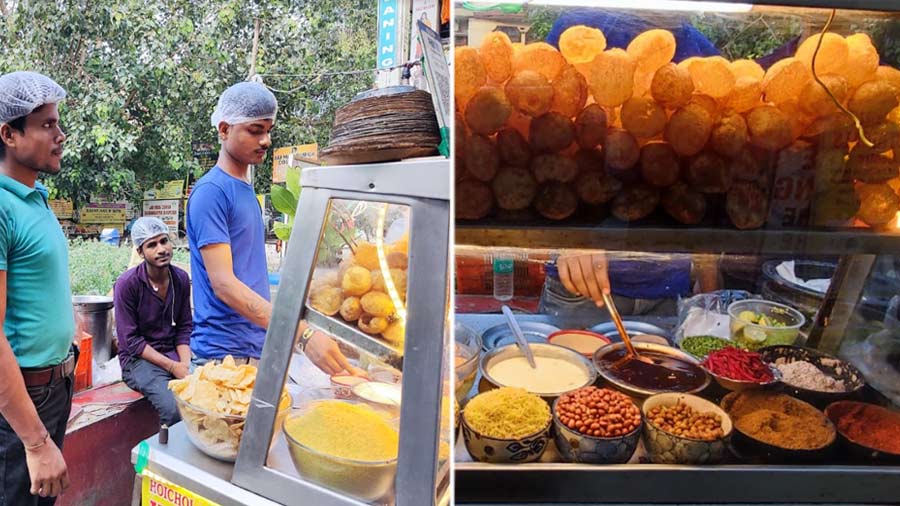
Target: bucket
x: 94, y: 316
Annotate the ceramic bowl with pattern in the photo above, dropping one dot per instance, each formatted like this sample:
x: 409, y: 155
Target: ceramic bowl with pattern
x: 664, y: 447
x: 580, y: 448
x: 493, y: 450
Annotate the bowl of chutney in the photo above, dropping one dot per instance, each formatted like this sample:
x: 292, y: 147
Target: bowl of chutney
x: 672, y: 371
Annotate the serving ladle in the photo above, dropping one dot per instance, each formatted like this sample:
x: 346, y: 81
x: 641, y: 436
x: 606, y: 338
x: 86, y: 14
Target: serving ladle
x: 520, y: 337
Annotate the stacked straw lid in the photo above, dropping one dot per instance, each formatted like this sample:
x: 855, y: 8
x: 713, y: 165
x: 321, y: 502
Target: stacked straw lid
x: 380, y: 125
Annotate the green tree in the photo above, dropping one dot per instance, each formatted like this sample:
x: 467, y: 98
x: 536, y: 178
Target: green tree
x: 143, y: 77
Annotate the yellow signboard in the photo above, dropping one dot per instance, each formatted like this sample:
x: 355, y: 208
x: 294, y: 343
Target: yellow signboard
x: 166, y: 191
x: 283, y: 156
x: 103, y: 212
x: 158, y: 492
x: 63, y: 209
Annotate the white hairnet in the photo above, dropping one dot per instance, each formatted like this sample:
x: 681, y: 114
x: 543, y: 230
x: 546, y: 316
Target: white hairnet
x: 23, y: 92
x: 245, y: 102
x: 147, y: 227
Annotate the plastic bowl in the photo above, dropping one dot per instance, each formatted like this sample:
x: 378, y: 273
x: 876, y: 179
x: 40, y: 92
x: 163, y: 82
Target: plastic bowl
x: 666, y: 448
x: 539, y: 350
x: 829, y: 365
x: 505, y: 451
x: 756, y: 336
x: 581, y: 341
x: 219, y: 435
x: 365, y: 480
x: 467, y: 351
x: 577, y: 447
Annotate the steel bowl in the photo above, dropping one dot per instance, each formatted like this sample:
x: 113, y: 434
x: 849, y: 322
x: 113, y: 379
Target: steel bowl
x: 636, y: 391
x: 638, y: 331
x: 539, y: 350
x: 734, y: 385
x: 666, y: 448
x: 364, y: 480
x: 856, y: 449
x: 501, y: 335
x: 829, y: 365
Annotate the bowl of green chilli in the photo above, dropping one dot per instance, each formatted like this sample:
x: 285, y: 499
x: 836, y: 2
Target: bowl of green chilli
x: 701, y: 346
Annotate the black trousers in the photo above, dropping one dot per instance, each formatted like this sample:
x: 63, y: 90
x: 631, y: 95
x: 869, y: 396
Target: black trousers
x: 53, y: 403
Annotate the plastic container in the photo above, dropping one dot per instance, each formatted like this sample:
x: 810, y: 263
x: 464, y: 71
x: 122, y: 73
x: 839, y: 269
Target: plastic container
x: 84, y: 370
x: 504, y: 267
x: 754, y: 335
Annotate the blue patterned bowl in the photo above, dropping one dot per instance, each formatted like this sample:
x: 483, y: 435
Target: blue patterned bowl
x: 667, y: 448
x: 576, y: 447
x: 505, y: 451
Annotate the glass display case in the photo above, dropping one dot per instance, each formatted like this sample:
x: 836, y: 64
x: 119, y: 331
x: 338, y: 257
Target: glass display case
x: 367, y: 264
x: 736, y: 183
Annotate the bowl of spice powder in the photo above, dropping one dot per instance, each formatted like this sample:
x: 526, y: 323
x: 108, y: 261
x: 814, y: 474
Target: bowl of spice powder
x: 868, y: 431
x: 778, y: 427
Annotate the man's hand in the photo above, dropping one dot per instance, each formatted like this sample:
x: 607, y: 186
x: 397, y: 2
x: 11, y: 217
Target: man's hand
x: 585, y: 274
x: 47, y: 469
x: 180, y: 370
x: 324, y: 353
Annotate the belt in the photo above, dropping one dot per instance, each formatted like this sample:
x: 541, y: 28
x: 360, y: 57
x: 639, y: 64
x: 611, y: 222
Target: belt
x: 45, y: 376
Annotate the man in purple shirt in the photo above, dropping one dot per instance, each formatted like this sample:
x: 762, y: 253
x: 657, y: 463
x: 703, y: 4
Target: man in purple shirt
x: 153, y: 319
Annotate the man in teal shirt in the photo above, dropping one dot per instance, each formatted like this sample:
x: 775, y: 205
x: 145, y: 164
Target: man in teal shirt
x: 37, y: 325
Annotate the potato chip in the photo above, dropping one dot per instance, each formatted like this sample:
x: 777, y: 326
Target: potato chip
x: 747, y: 167
x: 684, y: 204
x: 746, y: 94
x: 878, y: 204
x: 399, y: 277
x: 650, y: 50
x: 709, y: 173
x: 769, y: 128
x: 890, y: 75
x: 747, y: 68
x: 712, y: 76
x: 350, y: 309
x: 590, y: 126
x: 581, y: 44
x: 488, y: 111
x: 643, y: 117
x: 621, y: 151
x: 468, y: 74
x: 672, y: 86
x: 635, y: 202
x: 366, y: 255
x: 659, y: 164
x: 394, y: 333
x: 689, y: 129
x: 785, y: 80
x: 612, y: 77
x: 708, y: 103
x: 729, y: 135
x: 357, y: 281
x: 482, y: 158
x: 514, y: 188
x: 473, y: 200
x: 551, y: 132
x: 872, y: 101
x: 539, y: 57
x: 371, y: 324
x: 327, y: 300
x: 596, y: 188
x: 530, y: 92
x: 496, y: 52
x: 815, y: 101
x: 513, y: 148
x: 569, y: 92
x: 556, y: 201
x: 832, y: 56
x: 377, y: 304
x: 862, y: 60
x: 553, y: 167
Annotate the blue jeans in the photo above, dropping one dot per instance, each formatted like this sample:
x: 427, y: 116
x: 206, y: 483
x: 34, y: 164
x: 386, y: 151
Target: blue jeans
x: 153, y: 382
x: 53, y: 402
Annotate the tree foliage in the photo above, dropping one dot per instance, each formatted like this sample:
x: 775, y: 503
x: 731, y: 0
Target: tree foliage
x: 143, y: 77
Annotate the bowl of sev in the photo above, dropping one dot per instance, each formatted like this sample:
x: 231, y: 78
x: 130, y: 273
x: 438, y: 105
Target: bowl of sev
x: 344, y: 445
x: 506, y: 426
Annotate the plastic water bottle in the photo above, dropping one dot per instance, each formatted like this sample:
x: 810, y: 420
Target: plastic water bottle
x: 503, y: 275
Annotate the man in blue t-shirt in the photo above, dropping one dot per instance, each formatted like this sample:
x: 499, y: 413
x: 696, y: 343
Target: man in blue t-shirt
x: 37, y: 324
x: 227, y: 240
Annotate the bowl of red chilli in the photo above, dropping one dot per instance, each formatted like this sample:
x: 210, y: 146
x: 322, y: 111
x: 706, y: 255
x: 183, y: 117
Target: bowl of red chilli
x: 874, y: 435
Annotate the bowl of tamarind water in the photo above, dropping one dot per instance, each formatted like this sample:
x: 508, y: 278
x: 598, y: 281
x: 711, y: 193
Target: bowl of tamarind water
x: 596, y: 426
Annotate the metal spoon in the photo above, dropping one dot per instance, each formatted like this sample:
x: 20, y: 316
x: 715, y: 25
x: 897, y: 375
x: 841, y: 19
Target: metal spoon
x: 617, y: 319
x: 520, y: 338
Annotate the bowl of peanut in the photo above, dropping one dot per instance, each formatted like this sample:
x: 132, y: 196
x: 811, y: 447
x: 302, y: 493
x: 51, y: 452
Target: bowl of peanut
x: 596, y: 426
x: 685, y: 429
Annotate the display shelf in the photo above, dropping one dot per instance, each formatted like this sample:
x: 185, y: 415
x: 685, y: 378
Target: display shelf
x: 613, y: 235
x: 352, y: 335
